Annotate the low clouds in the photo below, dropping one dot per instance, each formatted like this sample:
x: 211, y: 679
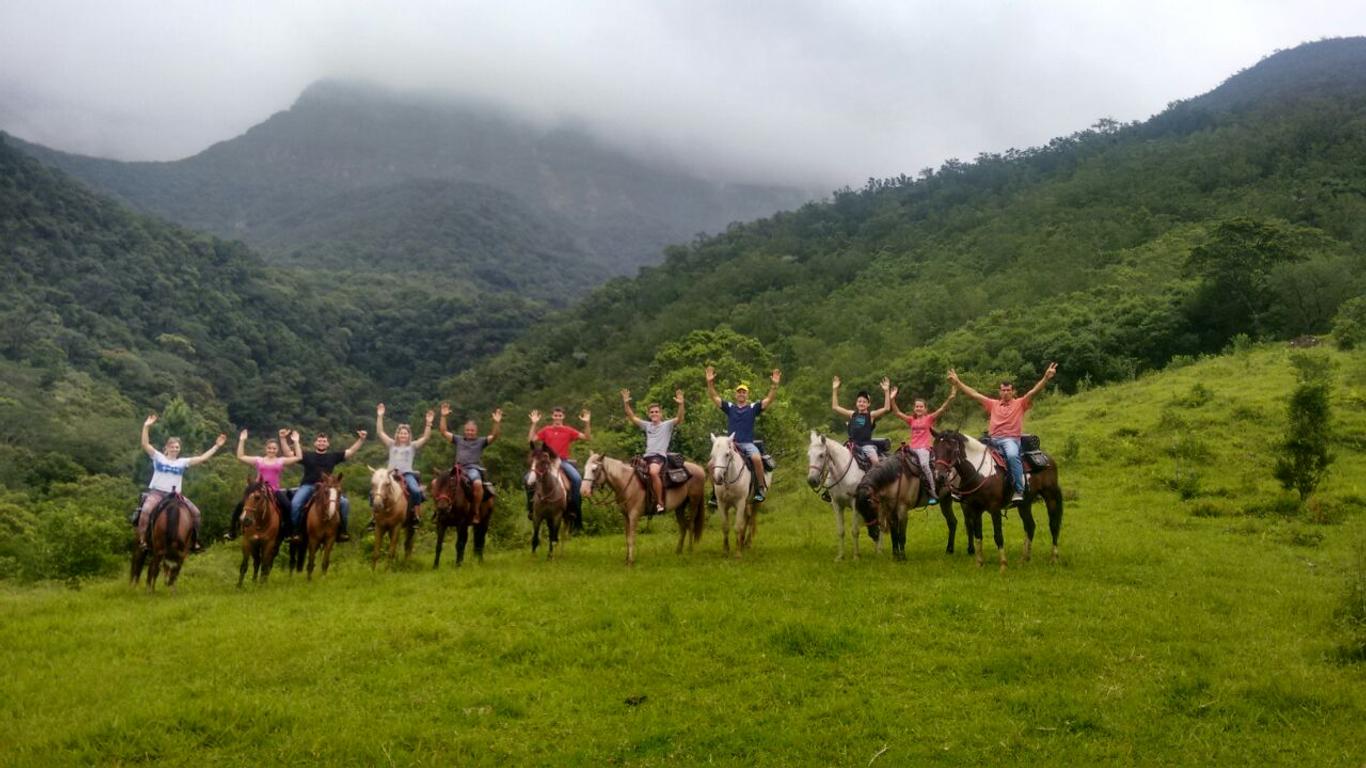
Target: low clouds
x: 815, y: 94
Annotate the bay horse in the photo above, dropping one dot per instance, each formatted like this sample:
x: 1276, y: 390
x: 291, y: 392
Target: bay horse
x: 454, y: 507
x: 730, y: 480
x: 322, y: 520
x: 686, y: 500
x: 389, y: 510
x: 966, y: 465
x: 261, y: 515
x: 832, y: 469
x: 168, y: 542
x: 550, y: 496
x: 888, y: 492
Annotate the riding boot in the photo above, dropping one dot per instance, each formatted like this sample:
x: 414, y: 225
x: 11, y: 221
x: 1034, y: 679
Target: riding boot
x: 195, y: 547
x: 342, y: 535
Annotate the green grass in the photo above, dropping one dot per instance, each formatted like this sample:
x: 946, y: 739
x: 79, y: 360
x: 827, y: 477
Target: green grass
x: 1193, y: 631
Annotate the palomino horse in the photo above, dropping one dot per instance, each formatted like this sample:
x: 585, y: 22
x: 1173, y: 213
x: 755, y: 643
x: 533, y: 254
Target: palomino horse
x: 322, y: 520
x: 832, y: 469
x: 389, y: 510
x: 890, y: 489
x: 260, y: 532
x: 686, y: 500
x: 730, y: 479
x: 168, y: 538
x: 550, y: 497
x: 454, y: 507
x: 965, y: 464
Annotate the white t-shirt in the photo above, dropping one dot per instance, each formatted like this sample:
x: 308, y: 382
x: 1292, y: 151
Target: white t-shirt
x: 657, y: 436
x: 168, y: 474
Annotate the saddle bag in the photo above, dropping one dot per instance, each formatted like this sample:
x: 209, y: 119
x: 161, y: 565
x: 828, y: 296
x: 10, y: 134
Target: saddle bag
x: 1037, y: 459
x: 1030, y: 443
x: 883, y: 445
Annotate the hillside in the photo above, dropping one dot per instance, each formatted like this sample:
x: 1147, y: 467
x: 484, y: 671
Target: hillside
x: 272, y: 185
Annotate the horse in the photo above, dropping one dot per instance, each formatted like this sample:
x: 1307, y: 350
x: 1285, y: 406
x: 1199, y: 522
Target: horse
x: 890, y: 489
x: 964, y: 464
x: 686, y: 500
x: 322, y: 520
x: 730, y: 480
x: 454, y: 507
x: 389, y: 510
x: 550, y: 496
x: 832, y: 469
x: 168, y: 542
x: 261, y: 515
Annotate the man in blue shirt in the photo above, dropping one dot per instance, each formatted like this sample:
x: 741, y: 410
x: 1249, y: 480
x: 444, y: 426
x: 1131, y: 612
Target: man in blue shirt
x: 740, y: 418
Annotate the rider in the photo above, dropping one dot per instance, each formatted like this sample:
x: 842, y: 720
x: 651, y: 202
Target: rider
x: 402, y: 451
x: 1006, y: 421
x: 740, y: 418
x: 469, y: 452
x: 921, y: 422
x: 268, y: 470
x: 558, y: 437
x: 316, y: 464
x: 168, y: 476
x: 658, y: 432
x: 861, y: 420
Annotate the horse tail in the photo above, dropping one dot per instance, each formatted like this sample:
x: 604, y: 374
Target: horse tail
x: 172, y: 525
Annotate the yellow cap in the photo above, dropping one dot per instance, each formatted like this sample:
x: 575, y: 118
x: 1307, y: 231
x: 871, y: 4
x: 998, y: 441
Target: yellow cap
x: 742, y: 385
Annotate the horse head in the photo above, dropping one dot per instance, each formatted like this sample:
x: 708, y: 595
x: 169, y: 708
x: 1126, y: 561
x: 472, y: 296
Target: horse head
x: 331, y: 493
x: 257, y: 500
x: 593, y: 473
x: 445, y: 488
x: 816, y: 458
x: 949, y: 449
x: 723, y: 453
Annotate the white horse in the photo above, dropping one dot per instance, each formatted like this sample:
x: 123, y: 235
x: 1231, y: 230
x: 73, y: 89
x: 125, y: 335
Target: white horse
x: 730, y: 480
x: 831, y: 468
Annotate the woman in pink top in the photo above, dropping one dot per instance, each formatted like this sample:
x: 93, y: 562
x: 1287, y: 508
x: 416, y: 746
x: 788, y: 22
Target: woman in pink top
x: 922, y: 439
x: 268, y: 470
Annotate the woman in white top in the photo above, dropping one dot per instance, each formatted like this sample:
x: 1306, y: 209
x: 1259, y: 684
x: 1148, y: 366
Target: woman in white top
x: 403, y: 451
x: 168, y: 475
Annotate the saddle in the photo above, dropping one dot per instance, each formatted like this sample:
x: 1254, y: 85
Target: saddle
x: 467, y: 487
x: 1032, y: 456
x: 882, y: 444
x: 769, y: 464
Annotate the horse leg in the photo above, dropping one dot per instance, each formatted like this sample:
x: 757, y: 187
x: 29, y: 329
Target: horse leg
x: 440, y: 540
x: 740, y: 512
x: 379, y: 536
x: 751, y: 524
x: 1053, y: 500
x: 462, y: 537
x: 242, y: 569
x: 1027, y: 520
x: 552, y: 527
x: 480, y: 533
x: 408, y: 542
x: 726, y: 512
x: 681, y: 516
x: 975, y: 530
x: 535, y: 530
x: 393, y: 546
x: 312, y: 553
x: 951, y: 520
x: 327, y: 553
x: 632, y: 519
x: 999, y: 535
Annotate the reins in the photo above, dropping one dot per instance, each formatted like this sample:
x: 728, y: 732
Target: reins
x: 820, y: 486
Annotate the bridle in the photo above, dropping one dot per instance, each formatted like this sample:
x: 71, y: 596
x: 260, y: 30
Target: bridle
x: 731, y: 453
x: 447, y: 492
x: 820, y: 486
x: 550, y: 467
x: 957, y: 456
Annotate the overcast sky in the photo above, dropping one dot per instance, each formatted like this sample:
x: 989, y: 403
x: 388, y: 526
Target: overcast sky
x: 817, y: 94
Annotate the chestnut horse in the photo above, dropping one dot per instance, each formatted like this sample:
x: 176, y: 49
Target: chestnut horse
x: 322, y: 520
x: 890, y: 489
x: 168, y: 541
x: 389, y: 510
x: 454, y: 507
x: 685, y: 500
x: 261, y: 517
x: 965, y: 465
x: 550, y: 496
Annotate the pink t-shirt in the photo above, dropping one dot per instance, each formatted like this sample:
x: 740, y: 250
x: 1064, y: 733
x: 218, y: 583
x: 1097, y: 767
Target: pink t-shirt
x: 1006, y: 419
x: 920, y: 430
x: 270, y: 471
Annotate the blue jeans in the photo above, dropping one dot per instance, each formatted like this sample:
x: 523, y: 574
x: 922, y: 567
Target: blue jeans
x: 575, y: 480
x: 300, y: 501
x: 747, y: 449
x: 1010, y: 447
x: 414, y: 488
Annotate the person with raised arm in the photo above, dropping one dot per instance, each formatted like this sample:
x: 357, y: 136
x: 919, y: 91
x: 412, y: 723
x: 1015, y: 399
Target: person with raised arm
x: 469, y: 452
x: 403, y: 452
x: 862, y: 420
x: 921, y: 421
x: 740, y: 418
x: 317, y: 463
x: 1005, y: 421
x: 168, y: 476
x: 558, y: 437
x: 658, y: 433
x: 268, y: 468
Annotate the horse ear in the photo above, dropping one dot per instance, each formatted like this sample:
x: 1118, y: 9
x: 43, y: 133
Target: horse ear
x: 823, y: 440
x: 339, y: 477
x: 934, y: 432
x: 372, y: 469
x: 732, y: 435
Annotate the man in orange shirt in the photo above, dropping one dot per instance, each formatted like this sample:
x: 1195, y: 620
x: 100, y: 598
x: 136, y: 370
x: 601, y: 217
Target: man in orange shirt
x: 1005, y: 421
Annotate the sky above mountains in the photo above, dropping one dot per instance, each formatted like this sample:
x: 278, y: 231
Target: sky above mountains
x: 805, y: 93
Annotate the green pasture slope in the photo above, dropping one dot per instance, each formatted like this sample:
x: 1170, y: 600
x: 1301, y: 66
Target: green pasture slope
x: 1174, y: 632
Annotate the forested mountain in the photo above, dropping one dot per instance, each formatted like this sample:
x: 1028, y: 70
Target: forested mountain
x: 1112, y: 250
x: 284, y: 185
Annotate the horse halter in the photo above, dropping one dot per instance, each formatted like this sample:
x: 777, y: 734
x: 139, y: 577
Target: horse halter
x: 730, y: 461
x: 959, y: 455
x: 825, y: 454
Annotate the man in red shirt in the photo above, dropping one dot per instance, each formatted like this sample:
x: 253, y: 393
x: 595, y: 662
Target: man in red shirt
x: 558, y: 437
x: 1005, y: 421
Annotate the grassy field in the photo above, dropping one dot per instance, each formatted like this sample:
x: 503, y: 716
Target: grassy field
x: 1195, y: 631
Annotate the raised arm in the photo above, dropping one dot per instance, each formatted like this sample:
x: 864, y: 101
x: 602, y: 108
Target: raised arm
x: 969, y: 391
x: 286, y: 450
x: 1048, y: 373
x: 242, y: 449
x: 891, y: 400
x: 775, y: 377
x: 206, y: 455
x: 298, y: 447
x: 534, y: 417
x: 497, y: 424
x: 940, y: 410
x: 835, y: 399
x: 626, y: 403
x: 711, y: 386
x: 379, y: 426
x: 360, y: 440
x: 426, y: 430
x: 146, y: 437
x: 445, y: 412
x: 886, y: 399
x: 678, y: 398
x: 586, y: 416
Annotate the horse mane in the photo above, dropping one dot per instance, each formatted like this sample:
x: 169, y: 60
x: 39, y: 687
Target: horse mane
x: 881, y: 474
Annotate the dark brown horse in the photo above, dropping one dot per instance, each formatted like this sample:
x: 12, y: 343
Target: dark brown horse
x: 890, y: 489
x: 966, y: 465
x: 261, y: 515
x: 550, y: 497
x: 455, y: 508
x: 322, y: 520
x: 168, y: 541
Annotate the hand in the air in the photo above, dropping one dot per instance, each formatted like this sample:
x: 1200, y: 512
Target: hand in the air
x: 445, y: 408
x: 379, y: 409
x: 497, y: 415
x: 678, y: 396
x: 535, y: 416
x: 150, y: 420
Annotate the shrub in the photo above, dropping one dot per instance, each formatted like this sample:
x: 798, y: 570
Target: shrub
x: 1349, y: 326
x: 1304, y: 457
